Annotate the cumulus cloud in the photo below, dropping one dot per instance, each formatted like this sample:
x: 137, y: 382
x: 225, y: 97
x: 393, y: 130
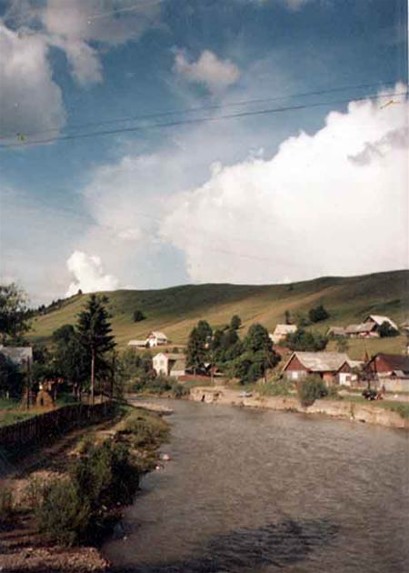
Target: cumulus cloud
x: 214, y: 73
x: 30, y: 100
x: 307, y: 211
x: 89, y: 275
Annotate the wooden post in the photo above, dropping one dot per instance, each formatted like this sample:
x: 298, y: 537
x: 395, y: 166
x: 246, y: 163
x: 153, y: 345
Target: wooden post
x: 92, y: 375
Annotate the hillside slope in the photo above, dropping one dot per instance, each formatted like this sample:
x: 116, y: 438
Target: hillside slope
x: 175, y: 310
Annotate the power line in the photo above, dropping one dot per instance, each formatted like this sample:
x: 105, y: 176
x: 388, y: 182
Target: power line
x: 132, y: 8
x: 238, y: 115
x: 196, y: 109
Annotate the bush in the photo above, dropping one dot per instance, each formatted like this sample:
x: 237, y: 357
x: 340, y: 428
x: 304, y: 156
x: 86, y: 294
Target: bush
x: 311, y: 389
x: 64, y: 516
x: 318, y: 313
x: 304, y: 340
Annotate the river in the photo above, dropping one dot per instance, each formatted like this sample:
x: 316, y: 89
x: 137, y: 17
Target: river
x: 260, y: 491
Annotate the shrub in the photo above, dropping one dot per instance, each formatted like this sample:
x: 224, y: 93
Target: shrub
x: 64, y: 516
x: 311, y: 389
x: 318, y: 313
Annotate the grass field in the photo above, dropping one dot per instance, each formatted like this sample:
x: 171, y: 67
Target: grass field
x: 176, y: 310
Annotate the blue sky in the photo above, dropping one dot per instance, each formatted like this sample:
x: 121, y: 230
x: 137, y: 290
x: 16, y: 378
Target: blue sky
x: 261, y: 198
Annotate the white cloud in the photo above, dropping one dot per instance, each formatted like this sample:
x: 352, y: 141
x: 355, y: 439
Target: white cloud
x: 73, y: 25
x: 208, y: 69
x: 88, y: 274
x: 30, y: 100
x: 312, y: 209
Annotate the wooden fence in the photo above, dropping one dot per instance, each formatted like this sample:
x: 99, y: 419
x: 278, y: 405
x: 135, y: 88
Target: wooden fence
x: 47, y: 427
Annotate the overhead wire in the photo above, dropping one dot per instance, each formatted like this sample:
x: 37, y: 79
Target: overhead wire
x: 195, y: 109
x: 199, y: 120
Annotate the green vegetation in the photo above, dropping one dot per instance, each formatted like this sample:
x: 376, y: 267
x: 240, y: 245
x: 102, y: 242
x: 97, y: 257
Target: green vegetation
x: 311, y: 389
x: 257, y: 356
x: 78, y: 507
x: 94, y: 335
x: 386, y: 330
x: 276, y: 388
x: 138, y: 315
x: 6, y: 505
x: 318, y: 313
x: 14, y: 315
x: 176, y: 310
x: 305, y: 340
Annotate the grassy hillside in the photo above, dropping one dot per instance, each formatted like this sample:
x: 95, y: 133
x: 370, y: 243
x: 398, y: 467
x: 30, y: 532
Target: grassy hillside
x: 175, y: 310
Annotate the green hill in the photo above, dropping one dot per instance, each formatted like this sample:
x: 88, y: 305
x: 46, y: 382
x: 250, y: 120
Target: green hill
x: 175, y: 310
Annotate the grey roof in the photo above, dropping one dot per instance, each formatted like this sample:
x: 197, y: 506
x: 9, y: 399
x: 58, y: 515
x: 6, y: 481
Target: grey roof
x: 359, y: 328
x: 17, y: 354
x: 337, y: 330
x: 171, y: 355
x: 321, y: 361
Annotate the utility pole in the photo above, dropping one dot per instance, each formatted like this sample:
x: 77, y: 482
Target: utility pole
x: 28, y: 382
x: 92, y: 375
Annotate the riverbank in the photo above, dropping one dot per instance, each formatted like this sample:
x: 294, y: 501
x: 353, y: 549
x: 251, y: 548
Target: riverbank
x: 23, y: 546
x: 341, y: 409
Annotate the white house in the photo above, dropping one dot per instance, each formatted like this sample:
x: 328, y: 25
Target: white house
x: 156, y: 339
x: 281, y: 331
x: 169, y: 364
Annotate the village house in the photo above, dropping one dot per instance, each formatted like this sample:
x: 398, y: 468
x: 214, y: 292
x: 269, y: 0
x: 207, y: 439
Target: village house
x: 330, y: 366
x: 369, y: 328
x: 169, y: 364
x: 281, y: 331
x: 389, y: 370
x: 156, y: 339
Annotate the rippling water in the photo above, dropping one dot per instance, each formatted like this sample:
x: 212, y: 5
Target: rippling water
x: 261, y: 491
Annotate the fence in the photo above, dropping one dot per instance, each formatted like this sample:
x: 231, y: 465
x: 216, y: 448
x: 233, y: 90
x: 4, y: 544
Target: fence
x: 46, y: 427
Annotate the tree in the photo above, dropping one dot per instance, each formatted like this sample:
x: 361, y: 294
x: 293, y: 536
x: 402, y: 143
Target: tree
x: 304, y: 340
x: 199, y: 345
x: 386, y: 330
x: 14, y: 314
x: 318, y: 314
x: 71, y: 359
x: 235, y: 322
x: 138, y: 315
x: 258, y: 355
x: 287, y: 317
x: 95, y: 337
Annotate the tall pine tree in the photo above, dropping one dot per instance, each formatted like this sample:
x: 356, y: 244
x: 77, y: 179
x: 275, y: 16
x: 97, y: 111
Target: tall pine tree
x: 94, y: 330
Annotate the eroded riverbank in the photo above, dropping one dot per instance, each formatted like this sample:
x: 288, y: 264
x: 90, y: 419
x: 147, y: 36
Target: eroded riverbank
x: 342, y: 409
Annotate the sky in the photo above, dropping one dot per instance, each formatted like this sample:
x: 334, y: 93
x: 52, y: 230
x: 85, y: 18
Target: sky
x: 150, y: 143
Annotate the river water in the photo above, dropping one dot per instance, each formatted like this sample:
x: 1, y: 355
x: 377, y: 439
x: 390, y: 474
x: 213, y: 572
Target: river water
x: 261, y: 491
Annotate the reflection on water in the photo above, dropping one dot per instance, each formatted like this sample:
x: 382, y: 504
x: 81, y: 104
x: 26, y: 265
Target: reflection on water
x: 257, y: 491
x: 278, y: 544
